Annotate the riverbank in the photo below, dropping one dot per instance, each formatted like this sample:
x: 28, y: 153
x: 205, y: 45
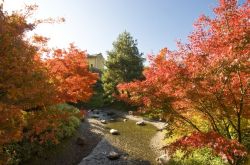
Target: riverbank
x: 68, y: 152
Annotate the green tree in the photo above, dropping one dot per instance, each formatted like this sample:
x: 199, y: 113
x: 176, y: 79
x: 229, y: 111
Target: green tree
x: 124, y: 64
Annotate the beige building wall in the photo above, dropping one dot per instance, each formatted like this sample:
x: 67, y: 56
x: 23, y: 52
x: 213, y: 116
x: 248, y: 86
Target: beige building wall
x: 96, y: 61
x: 100, y: 62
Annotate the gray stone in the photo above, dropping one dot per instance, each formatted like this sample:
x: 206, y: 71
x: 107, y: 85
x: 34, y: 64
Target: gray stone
x: 111, y: 119
x: 163, y: 159
x: 141, y: 123
x: 163, y: 127
x: 130, y: 112
x: 103, y: 121
x: 113, y: 155
x: 95, y: 116
x: 96, y: 111
x: 114, y: 132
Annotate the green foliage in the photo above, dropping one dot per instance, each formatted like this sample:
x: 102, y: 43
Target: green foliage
x: 69, y: 127
x: 23, y: 151
x: 69, y: 109
x: 69, y: 124
x: 246, y: 135
x: 96, y: 100
x: 154, y: 114
x: 203, y: 156
x: 122, y: 106
x: 65, y: 107
x: 124, y: 64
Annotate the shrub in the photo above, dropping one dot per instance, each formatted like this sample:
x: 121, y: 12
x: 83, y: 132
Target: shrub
x: 230, y: 150
x: 52, y: 124
x: 43, y: 129
x: 68, y: 128
x: 11, y: 126
x: 22, y: 151
x: 97, y: 100
x: 154, y: 114
x: 202, y: 156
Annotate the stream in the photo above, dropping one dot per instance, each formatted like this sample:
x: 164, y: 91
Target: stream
x: 137, y: 145
x: 133, y: 142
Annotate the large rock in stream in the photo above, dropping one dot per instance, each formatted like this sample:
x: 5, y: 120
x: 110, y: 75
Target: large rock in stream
x: 103, y: 121
x: 114, y: 132
x: 163, y: 159
x: 141, y: 123
x: 113, y: 155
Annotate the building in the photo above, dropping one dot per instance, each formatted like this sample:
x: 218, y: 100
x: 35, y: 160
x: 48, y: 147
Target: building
x: 96, y: 61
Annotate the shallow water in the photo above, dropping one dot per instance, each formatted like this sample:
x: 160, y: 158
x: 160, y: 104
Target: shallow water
x: 133, y: 139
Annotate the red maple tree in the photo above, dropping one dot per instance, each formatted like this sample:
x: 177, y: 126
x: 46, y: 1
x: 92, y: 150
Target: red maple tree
x: 69, y: 71
x: 208, y: 77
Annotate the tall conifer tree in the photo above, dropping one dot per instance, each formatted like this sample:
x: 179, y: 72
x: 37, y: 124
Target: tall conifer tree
x: 124, y: 64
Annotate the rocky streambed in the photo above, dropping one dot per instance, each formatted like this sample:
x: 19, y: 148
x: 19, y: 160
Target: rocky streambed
x: 135, y: 144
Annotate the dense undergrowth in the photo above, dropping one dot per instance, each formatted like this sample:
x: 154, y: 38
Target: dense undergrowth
x: 43, y: 130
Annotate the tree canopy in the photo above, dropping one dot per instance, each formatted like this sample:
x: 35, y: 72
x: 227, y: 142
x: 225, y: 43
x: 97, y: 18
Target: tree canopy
x: 124, y: 64
x: 205, y: 83
x: 30, y: 82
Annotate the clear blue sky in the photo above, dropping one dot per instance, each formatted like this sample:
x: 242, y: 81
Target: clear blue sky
x: 94, y: 24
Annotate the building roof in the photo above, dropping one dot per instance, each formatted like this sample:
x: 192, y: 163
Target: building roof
x: 94, y: 55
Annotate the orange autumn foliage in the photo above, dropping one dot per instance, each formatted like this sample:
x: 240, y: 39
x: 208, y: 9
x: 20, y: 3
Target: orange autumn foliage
x: 23, y: 80
x: 30, y: 83
x: 43, y: 125
x: 207, y: 78
x: 11, y: 124
x: 69, y: 72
